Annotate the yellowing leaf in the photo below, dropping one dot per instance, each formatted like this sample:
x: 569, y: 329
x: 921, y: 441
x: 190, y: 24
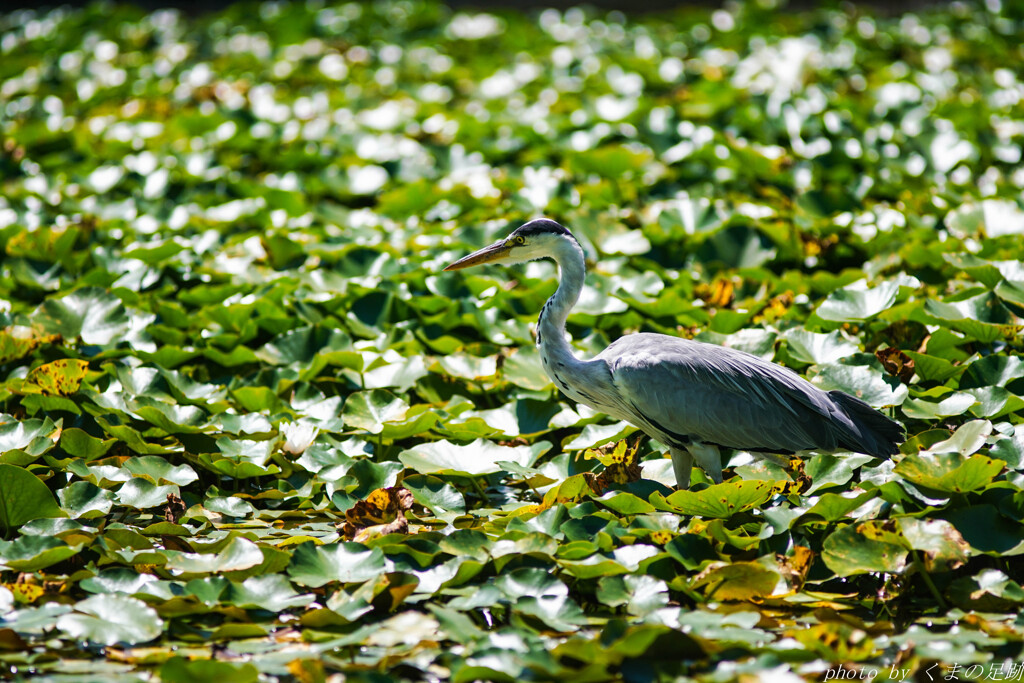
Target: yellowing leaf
x: 25, y: 593
x: 59, y: 378
x: 722, y: 500
x: 381, y: 513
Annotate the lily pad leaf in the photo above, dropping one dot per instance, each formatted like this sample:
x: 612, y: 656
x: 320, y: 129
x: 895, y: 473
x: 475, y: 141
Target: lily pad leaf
x: 156, y: 469
x: 820, y: 349
x: 32, y: 553
x: 59, y: 378
x: 967, y: 439
x: 1011, y: 449
x: 370, y: 410
x: 523, y: 368
x: 83, y: 499
x: 867, y: 382
x: 240, y: 553
x: 273, y: 593
x: 33, y: 436
x: 142, y: 493
x: 182, y: 670
x: 477, y: 458
x: 857, y: 302
x: 948, y: 473
x: 81, y: 444
x: 932, y: 368
x: 988, y: 531
x: 438, y: 496
x: 865, y: 547
x: 992, y: 371
x: 956, y: 403
x: 306, y: 345
x: 721, y: 501
x: 941, y: 546
x: 982, y: 317
x: 24, y: 497
x: 469, y: 367
x: 96, y: 316
x: 314, y: 566
x: 111, y: 619
x: 737, y: 581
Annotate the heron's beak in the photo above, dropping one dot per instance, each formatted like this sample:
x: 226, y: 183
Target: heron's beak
x: 495, y: 252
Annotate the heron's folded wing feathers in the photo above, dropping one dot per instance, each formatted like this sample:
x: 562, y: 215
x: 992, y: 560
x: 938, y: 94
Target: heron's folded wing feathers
x: 719, y: 395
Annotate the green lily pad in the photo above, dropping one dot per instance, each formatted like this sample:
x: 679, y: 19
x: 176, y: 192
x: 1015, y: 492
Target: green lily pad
x: 982, y: 317
x: 867, y: 383
x: 156, y: 469
x: 92, y: 314
x: 865, y: 547
x: 314, y: 566
x: 948, y: 473
x: 32, y: 553
x: 142, y: 493
x: 273, y: 593
x: 81, y: 444
x: 477, y: 458
x: 238, y: 554
x: 83, y: 499
x: 737, y: 581
x: 987, y: 531
x: 720, y: 501
x: 941, y: 546
x: 32, y: 436
x: 810, y: 347
x: 955, y: 403
x: 23, y: 497
x: 111, y: 619
x: 857, y: 302
x: 370, y: 410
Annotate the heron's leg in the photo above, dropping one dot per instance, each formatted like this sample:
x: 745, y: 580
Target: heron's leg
x: 682, y: 462
x: 709, y: 459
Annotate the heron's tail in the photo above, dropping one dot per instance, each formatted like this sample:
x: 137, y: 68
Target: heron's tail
x: 873, y: 433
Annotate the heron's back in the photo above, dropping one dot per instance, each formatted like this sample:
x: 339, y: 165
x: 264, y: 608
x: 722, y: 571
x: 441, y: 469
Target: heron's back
x: 712, y: 394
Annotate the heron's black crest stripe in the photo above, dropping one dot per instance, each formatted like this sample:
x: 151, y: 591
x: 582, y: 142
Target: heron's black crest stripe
x: 561, y: 383
x: 540, y: 321
x: 542, y: 225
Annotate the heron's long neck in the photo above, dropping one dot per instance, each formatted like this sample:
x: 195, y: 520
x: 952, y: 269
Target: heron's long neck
x: 551, y: 324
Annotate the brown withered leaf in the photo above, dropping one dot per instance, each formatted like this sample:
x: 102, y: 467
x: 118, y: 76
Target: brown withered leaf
x: 896, y: 363
x: 622, y: 465
x: 794, y: 568
x: 175, y: 543
x: 800, y: 483
x: 815, y: 245
x: 719, y: 294
x: 775, y: 308
x: 174, y: 509
x: 380, y: 514
x: 11, y: 641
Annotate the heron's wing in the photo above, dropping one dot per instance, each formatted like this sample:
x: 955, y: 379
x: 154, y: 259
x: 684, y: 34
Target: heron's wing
x: 718, y: 395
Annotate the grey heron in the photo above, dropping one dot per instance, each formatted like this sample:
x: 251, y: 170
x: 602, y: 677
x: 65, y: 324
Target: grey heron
x: 692, y: 396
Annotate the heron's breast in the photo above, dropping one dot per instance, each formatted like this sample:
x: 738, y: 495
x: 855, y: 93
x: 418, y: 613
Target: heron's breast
x: 582, y: 384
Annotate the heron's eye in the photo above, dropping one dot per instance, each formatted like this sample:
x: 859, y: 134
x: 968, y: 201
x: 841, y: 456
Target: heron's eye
x: 520, y: 240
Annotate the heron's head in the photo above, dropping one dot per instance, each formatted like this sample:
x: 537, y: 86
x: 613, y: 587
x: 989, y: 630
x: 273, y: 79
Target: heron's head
x: 536, y: 239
